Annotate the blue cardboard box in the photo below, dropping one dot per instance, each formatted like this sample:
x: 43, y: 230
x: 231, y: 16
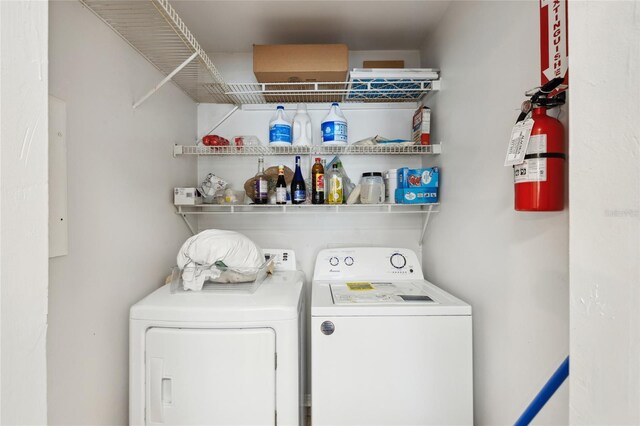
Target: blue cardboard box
x: 416, y: 195
x: 418, y: 186
x: 418, y: 178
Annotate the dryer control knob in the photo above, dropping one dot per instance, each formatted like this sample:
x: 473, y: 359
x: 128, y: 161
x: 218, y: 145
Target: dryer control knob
x: 334, y: 261
x: 398, y: 261
x: 327, y: 328
x: 348, y: 260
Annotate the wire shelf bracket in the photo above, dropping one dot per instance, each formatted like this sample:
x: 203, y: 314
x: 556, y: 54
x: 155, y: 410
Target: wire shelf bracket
x: 186, y: 221
x: 165, y: 80
x: 425, y: 222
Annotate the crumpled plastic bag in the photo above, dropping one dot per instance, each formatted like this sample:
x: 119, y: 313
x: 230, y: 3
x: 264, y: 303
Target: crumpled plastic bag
x: 198, y: 256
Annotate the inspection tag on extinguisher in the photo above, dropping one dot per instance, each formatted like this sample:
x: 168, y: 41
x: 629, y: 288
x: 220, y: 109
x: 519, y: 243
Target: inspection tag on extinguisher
x: 520, y: 135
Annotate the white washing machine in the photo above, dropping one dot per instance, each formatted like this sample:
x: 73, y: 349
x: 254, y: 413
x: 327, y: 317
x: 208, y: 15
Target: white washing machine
x: 220, y: 357
x: 387, y: 347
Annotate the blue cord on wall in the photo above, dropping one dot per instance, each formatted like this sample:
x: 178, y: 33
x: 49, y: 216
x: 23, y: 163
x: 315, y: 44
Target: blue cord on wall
x: 545, y: 394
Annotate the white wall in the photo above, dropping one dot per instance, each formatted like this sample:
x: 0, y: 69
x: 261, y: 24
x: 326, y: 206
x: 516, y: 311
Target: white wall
x: 123, y: 233
x: 511, y: 267
x: 605, y: 212
x: 23, y: 212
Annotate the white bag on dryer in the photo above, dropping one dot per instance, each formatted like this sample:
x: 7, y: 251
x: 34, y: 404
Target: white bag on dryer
x: 198, y: 255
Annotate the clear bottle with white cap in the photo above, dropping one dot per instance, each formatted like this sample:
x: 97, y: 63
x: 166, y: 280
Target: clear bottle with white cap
x: 302, y: 126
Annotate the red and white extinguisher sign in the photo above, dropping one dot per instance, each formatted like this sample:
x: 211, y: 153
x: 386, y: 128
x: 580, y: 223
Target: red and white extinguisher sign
x: 554, y: 43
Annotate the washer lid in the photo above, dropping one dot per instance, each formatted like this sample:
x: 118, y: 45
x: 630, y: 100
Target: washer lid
x: 364, y: 298
x: 277, y: 299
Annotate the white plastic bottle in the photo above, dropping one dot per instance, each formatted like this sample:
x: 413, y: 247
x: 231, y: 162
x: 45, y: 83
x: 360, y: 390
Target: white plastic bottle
x: 334, y: 127
x: 280, y: 129
x: 302, y: 126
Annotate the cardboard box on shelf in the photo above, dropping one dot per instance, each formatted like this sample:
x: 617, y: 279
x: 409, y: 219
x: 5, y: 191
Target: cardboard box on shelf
x: 186, y: 196
x: 383, y: 64
x: 284, y: 63
x: 416, y: 195
x: 422, y: 126
x: 418, y: 178
x: 417, y: 186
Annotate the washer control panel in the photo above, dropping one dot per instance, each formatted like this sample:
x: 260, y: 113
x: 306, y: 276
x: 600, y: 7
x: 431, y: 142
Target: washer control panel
x: 367, y: 263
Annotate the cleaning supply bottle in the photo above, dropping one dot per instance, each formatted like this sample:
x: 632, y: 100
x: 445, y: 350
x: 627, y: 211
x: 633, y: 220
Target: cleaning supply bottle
x: 334, y: 127
x: 280, y: 129
x: 302, y: 126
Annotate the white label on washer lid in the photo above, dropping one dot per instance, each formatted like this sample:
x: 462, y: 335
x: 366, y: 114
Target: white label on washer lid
x: 518, y: 144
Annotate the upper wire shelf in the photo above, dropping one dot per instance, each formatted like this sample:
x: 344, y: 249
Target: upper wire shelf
x: 155, y: 30
x: 369, y: 91
x: 310, y: 150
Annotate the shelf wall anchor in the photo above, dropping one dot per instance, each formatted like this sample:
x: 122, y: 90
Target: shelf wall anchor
x: 165, y: 80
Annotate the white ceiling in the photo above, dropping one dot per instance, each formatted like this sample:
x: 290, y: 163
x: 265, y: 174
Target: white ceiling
x: 234, y: 26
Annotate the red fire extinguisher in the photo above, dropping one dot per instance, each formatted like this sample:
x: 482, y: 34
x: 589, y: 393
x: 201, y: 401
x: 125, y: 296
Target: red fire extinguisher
x: 539, y: 180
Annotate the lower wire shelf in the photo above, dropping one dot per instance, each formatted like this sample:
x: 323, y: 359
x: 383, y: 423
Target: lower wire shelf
x: 225, y: 209
x: 309, y: 209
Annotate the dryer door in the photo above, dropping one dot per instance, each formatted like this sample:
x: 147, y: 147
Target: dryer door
x: 210, y: 376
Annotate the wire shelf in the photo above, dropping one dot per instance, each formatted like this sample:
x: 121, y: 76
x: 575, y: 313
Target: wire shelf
x: 379, y: 90
x: 222, y: 209
x: 155, y: 30
x: 307, y: 150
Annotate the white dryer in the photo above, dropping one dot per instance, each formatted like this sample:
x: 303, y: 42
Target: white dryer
x: 387, y: 347
x: 220, y: 357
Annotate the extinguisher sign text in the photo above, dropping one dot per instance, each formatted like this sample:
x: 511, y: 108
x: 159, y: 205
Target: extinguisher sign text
x: 553, y: 40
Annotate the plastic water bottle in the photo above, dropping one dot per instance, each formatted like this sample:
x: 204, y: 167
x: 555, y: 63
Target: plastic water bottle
x: 302, y: 126
x: 280, y: 129
x: 334, y: 127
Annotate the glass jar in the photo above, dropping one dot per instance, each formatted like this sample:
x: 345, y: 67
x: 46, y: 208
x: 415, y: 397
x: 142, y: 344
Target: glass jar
x: 372, y: 188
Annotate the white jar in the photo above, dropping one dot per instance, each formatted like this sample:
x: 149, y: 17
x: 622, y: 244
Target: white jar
x: 372, y: 188
x: 390, y: 185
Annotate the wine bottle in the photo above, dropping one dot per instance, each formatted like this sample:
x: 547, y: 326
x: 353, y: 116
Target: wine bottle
x: 281, y: 187
x: 298, y: 191
x: 317, y: 183
x: 261, y: 185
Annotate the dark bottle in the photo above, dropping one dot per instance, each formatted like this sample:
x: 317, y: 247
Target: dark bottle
x: 298, y: 191
x: 261, y: 185
x: 281, y: 187
x: 317, y: 183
